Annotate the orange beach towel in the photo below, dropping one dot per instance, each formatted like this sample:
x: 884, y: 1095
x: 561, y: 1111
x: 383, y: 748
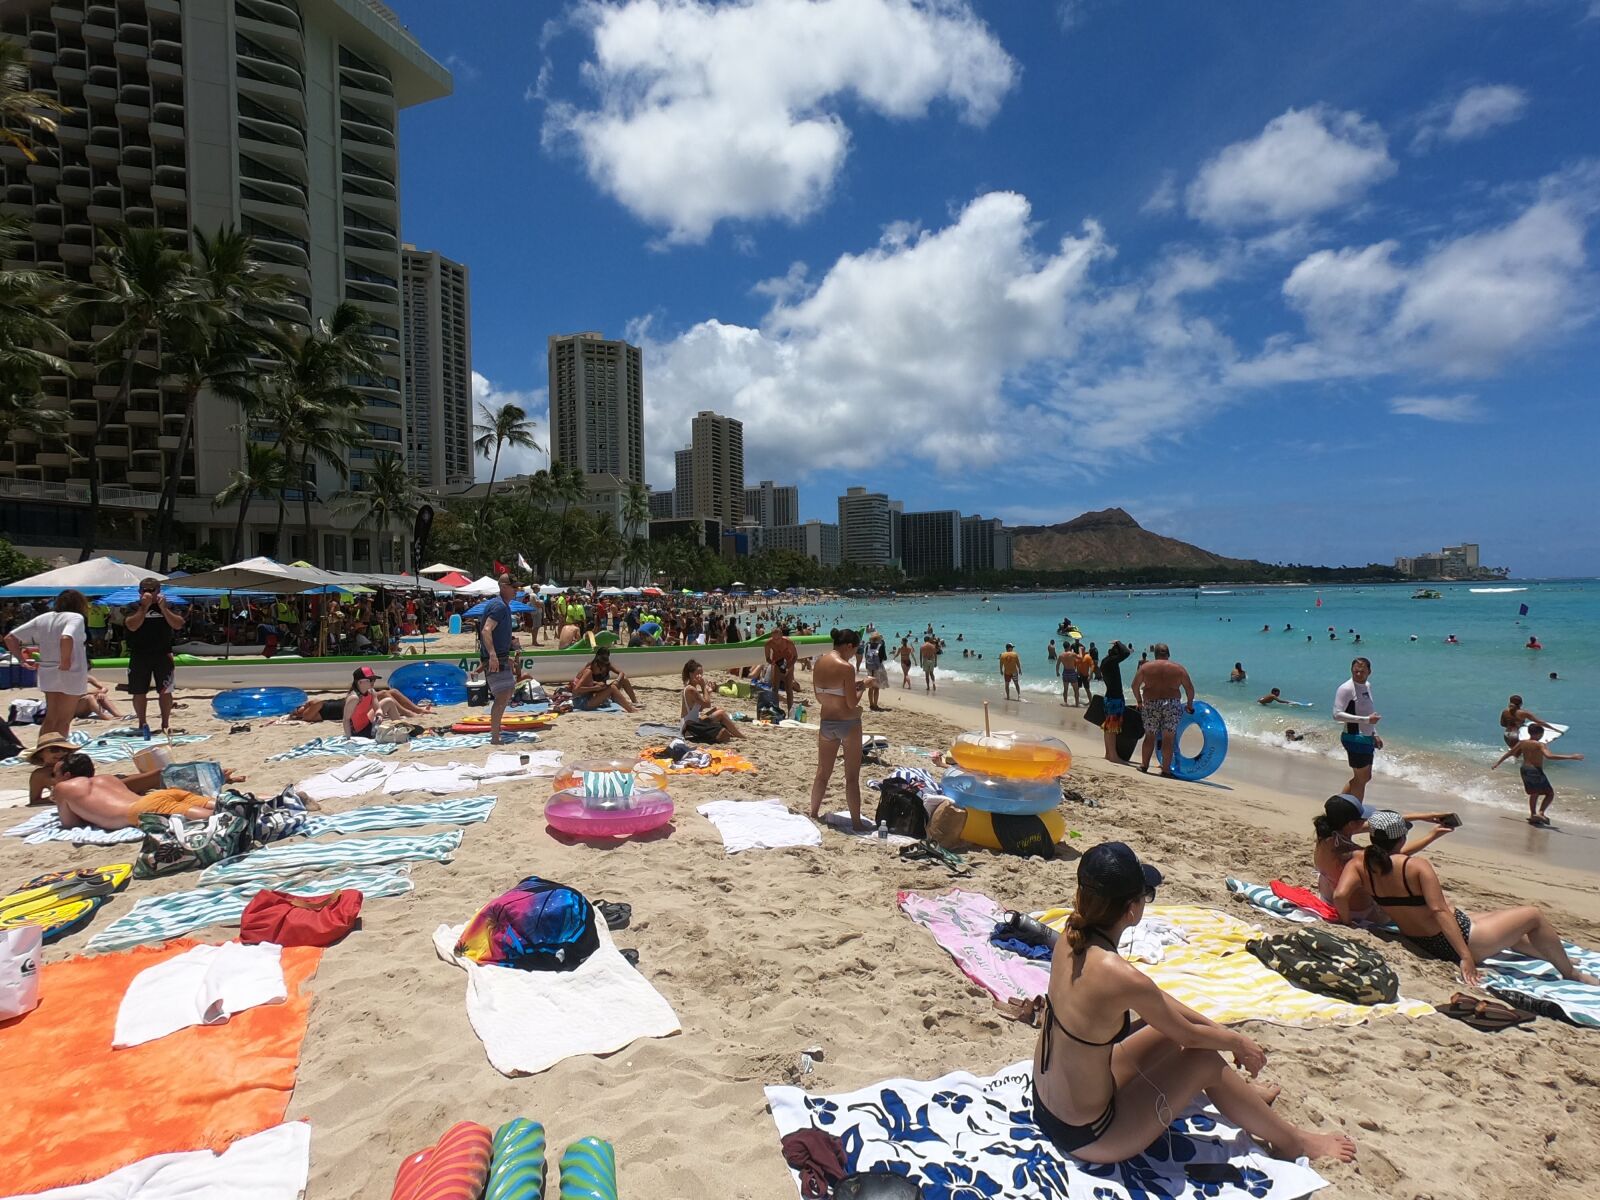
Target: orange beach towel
x: 721, y: 760
x: 80, y: 1110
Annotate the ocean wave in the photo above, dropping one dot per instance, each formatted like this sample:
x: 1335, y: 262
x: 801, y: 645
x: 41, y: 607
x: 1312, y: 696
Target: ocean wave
x: 1495, y: 591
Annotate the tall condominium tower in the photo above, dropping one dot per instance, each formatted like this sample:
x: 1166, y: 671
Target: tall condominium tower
x: 437, y: 302
x: 869, y: 528
x: 717, y: 450
x: 683, y: 482
x: 277, y: 117
x: 931, y: 542
x: 769, y: 504
x: 597, y: 406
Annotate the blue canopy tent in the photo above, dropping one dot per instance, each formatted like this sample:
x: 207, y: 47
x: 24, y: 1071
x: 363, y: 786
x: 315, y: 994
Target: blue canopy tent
x: 517, y: 606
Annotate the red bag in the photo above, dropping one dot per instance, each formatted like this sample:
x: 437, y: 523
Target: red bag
x: 1302, y: 898
x: 299, y: 920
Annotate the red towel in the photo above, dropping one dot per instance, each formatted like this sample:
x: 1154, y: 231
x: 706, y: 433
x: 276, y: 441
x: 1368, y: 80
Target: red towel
x: 1308, y: 900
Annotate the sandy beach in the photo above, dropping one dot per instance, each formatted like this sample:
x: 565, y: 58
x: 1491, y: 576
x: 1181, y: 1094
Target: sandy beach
x: 769, y: 952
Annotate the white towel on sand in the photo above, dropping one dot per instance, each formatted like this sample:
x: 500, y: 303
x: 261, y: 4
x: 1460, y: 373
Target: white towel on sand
x: 14, y: 798
x: 510, y: 766
x: 840, y: 821
x: 347, y: 780
x: 531, y: 1020
x: 443, y: 778
x: 204, y: 986
x: 270, y: 1165
x: 759, y: 825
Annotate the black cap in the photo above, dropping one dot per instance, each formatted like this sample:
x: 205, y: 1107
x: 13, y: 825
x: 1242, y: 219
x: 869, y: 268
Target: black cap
x: 1114, y: 870
x: 1344, y: 808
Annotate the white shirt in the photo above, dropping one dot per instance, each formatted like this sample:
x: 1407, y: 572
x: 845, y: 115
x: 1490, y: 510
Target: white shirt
x: 1355, y: 699
x: 46, y: 631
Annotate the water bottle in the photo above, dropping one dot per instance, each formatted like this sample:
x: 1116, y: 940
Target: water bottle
x: 800, y: 712
x: 883, y: 831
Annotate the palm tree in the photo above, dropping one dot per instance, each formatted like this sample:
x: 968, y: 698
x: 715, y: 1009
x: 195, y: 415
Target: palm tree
x: 23, y: 111
x: 569, y: 486
x: 507, y: 425
x: 388, y: 494
x: 28, y: 304
x: 144, y: 290
x: 312, y: 402
x: 265, y: 473
x: 635, y: 512
x: 214, y: 351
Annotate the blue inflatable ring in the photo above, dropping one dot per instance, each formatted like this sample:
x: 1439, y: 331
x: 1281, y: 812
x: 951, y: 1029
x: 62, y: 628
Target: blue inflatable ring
x: 443, y: 683
x: 990, y: 793
x: 257, y: 702
x: 1215, y: 749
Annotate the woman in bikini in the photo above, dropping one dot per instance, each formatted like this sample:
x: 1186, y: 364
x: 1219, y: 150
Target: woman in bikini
x: 1102, y: 1092
x: 701, y: 720
x: 839, y: 701
x: 595, y: 688
x: 366, y: 710
x: 1406, y: 887
x: 1342, y: 818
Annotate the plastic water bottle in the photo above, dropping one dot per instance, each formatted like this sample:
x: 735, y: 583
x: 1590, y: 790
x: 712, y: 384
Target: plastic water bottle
x: 799, y: 712
x: 883, y: 831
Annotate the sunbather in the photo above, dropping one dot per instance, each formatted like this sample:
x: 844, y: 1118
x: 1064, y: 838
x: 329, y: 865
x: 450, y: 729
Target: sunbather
x: 1343, y: 816
x: 1103, y: 1093
x: 368, y: 707
x: 1407, y: 889
x: 96, y: 702
x: 52, y: 748
x: 600, y: 683
x: 106, y: 802
x: 700, y: 720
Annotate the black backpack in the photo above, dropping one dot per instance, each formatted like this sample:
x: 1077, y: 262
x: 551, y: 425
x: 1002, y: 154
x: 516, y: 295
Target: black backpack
x: 900, y: 807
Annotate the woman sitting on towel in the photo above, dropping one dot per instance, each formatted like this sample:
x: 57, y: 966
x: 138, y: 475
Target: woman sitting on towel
x: 1103, y: 1093
x: 599, y: 684
x: 703, y: 721
x: 1407, y: 889
x: 1343, y: 816
x: 367, y: 711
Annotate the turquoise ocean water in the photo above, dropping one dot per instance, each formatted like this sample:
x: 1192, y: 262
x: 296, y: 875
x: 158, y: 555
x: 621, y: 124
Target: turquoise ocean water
x: 1440, y: 703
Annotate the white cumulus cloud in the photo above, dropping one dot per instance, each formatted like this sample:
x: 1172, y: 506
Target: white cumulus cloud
x: 709, y: 112
x: 1456, y: 409
x: 535, y: 403
x: 1477, y: 111
x: 1305, y: 162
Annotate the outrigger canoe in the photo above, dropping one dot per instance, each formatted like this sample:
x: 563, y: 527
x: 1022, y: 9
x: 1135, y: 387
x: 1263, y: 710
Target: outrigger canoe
x: 547, y: 666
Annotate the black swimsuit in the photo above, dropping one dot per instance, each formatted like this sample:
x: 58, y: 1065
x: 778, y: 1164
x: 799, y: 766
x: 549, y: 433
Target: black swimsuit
x: 1434, y: 945
x: 1066, y: 1137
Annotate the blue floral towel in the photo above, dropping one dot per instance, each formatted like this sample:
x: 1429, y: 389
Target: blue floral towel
x: 967, y: 1138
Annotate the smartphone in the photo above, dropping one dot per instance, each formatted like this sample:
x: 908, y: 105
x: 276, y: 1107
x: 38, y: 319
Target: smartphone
x: 1450, y: 821
x: 1222, y: 1172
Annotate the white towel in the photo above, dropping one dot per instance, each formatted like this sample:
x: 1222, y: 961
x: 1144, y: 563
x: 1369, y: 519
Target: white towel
x: 347, y: 780
x: 840, y: 821
x: 1147, y: 941
x: 14, y: 798
x: 204, y: 986
x: 529, y: 1021
x: 270, y: 1165
x: 759, y: 825
x: 439, y: 779
x: 509, y: 766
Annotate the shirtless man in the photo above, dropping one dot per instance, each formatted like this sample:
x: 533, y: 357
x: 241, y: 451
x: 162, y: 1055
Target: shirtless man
x: 1273, y: 697
x: 1534, y: 754
x: 839, y: 701
x: 53, y: 748
x: 930, y: 660
x: 1011, y: 670
x: 106, y: 802
x: 1513, y: 717
x: 1156, y: 687
x: 781, y: 653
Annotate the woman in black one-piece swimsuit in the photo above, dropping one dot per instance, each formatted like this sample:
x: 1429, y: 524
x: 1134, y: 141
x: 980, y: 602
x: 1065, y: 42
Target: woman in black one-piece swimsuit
x: 1105, y: 1094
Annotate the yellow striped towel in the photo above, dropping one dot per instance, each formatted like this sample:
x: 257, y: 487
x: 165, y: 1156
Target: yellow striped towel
x: 1216, y: 976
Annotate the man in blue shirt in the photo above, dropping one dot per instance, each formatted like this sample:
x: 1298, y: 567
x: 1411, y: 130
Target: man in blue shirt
x: 494, y: 636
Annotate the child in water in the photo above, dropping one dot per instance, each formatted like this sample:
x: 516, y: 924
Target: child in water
x: 1534, y: 754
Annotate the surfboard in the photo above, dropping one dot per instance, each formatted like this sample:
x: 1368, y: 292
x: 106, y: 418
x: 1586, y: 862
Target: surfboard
x: 1551, y: 732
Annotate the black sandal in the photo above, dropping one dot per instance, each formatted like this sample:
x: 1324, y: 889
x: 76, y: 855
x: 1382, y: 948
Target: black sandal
x: 617, y: 915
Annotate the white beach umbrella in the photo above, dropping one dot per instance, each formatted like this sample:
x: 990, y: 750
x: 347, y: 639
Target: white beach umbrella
x: 104, y: 572
x: 443, y: 569
x: 484, y: 585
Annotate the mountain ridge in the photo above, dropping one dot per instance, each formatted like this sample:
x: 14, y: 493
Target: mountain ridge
x: 1108, y: 539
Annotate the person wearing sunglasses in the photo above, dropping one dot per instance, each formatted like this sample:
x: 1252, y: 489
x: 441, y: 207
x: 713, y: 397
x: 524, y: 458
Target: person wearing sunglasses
x: 1102, y: 1091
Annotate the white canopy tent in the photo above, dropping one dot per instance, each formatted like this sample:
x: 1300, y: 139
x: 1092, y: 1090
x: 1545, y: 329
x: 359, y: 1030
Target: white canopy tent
x: 444, y: 569
x: 103, y: 572
x: 551, y: 589
x: 484, y: 585
x: 263, y: 574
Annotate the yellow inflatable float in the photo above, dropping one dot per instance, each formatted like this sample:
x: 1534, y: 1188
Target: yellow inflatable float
x: 979, y: 828
x: 1011, y: 756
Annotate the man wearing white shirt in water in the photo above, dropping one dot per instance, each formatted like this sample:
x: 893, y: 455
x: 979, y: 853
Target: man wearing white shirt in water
x: 1352, y: 705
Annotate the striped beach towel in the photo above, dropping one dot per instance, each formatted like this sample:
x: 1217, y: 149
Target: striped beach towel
x: 157, y: 918
x: 348, y: 746
x: 46, y: 827
x: 279, y: 862
x: 465, y: 741
x: 468, y: 811
x: 106, y: 748
x: 608, y: 784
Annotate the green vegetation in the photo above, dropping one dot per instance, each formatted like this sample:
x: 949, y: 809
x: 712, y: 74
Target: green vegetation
x: 16, y: 565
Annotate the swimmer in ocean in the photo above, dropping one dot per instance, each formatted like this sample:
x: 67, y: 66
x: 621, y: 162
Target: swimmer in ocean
x: 1273, y: 697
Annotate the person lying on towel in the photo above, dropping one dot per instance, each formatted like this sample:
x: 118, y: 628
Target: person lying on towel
x: 106, y: 802
x: 53, y: 748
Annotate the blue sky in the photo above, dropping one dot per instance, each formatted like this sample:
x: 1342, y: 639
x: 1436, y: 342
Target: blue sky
x: 1308, y: 283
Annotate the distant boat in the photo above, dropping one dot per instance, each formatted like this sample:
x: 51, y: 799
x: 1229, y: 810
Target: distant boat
x: 1426, y: 594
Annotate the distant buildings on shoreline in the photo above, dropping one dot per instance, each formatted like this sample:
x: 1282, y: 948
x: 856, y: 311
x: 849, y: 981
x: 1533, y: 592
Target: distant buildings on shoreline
x: 1451, y: 562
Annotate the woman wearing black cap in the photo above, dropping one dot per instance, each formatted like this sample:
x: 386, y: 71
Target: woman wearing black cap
x: 1343, y: 816
x: 1103, y: 1094
x: 1408, y: 890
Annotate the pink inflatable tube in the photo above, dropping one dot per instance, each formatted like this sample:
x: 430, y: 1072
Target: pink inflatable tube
x: 596, y: 817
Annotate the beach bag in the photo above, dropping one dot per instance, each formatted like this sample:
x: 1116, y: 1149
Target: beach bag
x: 26, y: 712
x: 389, y: 733
x: 536, y: 926
x: 1024, y: 834
x: 172, y: 844
x: 1318, y: 960
x: 10, y: 745
x: 269, y: 820
x: 20, y: 950
x: 286, y: 920
x: 204, y: 778
x: 900, y: 807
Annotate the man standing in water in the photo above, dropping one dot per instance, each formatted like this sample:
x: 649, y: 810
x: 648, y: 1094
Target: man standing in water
x: 1011, y: 670
x: 930, y: 660
x: 1352, y: 705
x: 1156, y: 688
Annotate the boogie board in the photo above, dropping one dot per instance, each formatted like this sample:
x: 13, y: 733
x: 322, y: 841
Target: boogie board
x: 482, y: 724
x: 1551, y: 732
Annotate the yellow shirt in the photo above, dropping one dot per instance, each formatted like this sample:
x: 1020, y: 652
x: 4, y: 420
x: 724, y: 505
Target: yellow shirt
x: 1010, y: 664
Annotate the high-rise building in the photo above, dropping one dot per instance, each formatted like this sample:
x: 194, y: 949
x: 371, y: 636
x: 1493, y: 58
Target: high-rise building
x: 597, y: 405
x: 683, y: 483
x: 869, y: 528
x: 817, y: 540
x: 770, y: 504
x: 985, y: 545
x: 717, y: 455
x: 660, y: 505
x: 436, y: 299
x: 277, y: 117
x: 931, y: 543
